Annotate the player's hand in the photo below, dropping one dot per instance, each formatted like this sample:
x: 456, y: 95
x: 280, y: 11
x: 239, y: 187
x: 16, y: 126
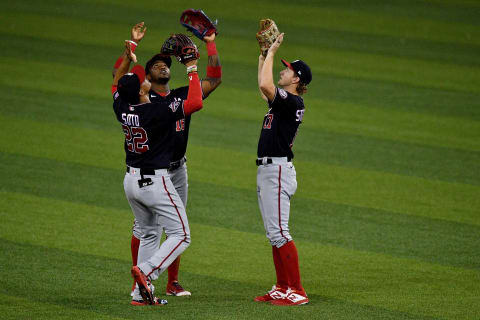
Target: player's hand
x: 191, y: 63
x: 129, y: 53
x: 209, y: 38
x: 261, y: 58
x: 138, y: 32
x: 273, y: 49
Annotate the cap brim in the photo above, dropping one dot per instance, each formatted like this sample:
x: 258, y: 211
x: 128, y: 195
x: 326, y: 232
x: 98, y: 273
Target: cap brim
x: 286, y: 64
x: 140, y: 72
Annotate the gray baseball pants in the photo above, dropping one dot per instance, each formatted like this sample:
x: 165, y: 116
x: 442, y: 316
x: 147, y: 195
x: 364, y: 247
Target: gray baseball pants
x: 179, y: 178
x: 157, y: 206
x: 276, y: 184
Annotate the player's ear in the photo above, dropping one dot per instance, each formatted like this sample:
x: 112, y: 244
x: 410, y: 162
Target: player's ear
x: 145, y: 88
x: 295, y: 80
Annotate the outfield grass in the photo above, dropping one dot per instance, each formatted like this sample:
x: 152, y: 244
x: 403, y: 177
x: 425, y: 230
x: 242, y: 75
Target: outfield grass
x: 387, y: 213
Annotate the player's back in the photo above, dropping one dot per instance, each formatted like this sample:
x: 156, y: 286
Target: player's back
x: 148, y: 134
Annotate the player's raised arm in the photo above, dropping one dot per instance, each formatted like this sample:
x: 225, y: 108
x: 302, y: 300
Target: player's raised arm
x: 267, y: 87
x: 214, y: 69
x: 194, y: 100
x: 261, y: 60
x: 124, y: 65
x: 137, y: 34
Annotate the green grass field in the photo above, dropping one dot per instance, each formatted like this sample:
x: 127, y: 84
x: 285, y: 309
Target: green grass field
x: 387, y: 213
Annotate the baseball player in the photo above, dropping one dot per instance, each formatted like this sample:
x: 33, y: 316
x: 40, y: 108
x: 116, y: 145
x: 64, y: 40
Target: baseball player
x: 158, y: 72
x: 148, y: 188
x: 276, y: 177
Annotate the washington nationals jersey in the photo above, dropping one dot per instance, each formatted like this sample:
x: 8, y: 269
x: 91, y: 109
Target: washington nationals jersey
x: 181, y: 127
x: 148, y: 134
x: 280, y: 125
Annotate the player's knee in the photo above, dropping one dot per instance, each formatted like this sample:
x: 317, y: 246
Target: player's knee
x: 187, y: 239
x: 150, y: 237
x: 279, y: 239
x: 137, y: 232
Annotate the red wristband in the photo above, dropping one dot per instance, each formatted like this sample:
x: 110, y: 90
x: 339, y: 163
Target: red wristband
x: 211, y: 48
x: 133, y: 45
x: 214, y: 72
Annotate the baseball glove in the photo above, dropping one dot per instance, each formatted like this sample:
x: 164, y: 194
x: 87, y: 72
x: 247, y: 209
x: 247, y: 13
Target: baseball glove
x: 198, y: 23
x: 267, y: 35
x: 180, y: 46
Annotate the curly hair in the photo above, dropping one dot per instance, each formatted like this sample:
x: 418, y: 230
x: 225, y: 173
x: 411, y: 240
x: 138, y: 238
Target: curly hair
x: 301, y: 88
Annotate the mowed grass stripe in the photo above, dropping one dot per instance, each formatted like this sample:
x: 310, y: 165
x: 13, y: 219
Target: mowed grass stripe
x: 365, y: 278
x: 213, y: 297
x: 427, y: 50
x: 363, y: 188
x: 404, y: 285
x: 324, y: 16
x: 343, y: 149
x: 345, y: 226
x: 442, y: 10
x: 349, y: 227
x: 352, y: 20
x: 18, y: 307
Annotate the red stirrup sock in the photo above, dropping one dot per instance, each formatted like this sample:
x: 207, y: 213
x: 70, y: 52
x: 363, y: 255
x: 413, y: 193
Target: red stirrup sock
x: 134, y: 245
x: 282, y: 276
x: 173, y: 270
x: 289, y: 257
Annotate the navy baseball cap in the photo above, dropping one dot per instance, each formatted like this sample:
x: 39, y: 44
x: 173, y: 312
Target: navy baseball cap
x: 158, y: 57
x: 129, y: 84
x: 301, y: 69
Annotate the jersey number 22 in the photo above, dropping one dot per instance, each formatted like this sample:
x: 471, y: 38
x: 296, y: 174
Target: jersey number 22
x: 136, y: 139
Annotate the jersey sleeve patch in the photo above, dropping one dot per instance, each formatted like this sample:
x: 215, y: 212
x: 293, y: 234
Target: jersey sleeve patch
x: 283, y: 94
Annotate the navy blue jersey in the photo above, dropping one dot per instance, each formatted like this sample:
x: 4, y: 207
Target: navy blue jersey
x: 148, y: 131
x: 181, y: 127
x: 280, y: 125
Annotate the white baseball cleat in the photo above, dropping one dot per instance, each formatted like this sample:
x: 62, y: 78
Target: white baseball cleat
x: 294, y: 298
x: 274, y: 294
x: 175, y: 289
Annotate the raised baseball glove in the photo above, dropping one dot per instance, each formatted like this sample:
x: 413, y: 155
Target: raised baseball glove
x: 180, y: 46
x: 198, y: 23
x: 267, y: 35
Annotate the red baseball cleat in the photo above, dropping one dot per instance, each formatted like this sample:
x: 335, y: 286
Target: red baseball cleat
x: 274, y: 294
x: 156, y: 302
x: 142, y: 281
x: 175, y: 289
x: 293, y: 298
